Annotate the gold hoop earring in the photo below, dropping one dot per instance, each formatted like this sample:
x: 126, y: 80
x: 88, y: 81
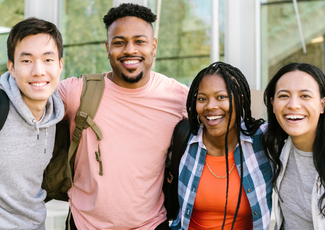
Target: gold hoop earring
x: 198, y: 119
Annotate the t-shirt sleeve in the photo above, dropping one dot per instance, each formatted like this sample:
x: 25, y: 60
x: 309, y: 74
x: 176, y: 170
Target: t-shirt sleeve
x: 184, y: 112
x: 70, y: 90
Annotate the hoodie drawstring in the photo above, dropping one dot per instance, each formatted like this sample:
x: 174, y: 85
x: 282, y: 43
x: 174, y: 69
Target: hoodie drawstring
x: 45, y: 140
x: 37, y: 128
x: 46, y: 134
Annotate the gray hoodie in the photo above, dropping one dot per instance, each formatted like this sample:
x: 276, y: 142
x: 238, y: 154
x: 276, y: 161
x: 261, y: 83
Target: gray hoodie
x: 25, y: 150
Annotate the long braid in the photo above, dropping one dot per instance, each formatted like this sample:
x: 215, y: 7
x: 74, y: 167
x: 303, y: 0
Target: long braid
x: 226, y: 142
x: 242, y: 103
x: 191, y: 102
x: 237, y: 101
x: 239, y: 93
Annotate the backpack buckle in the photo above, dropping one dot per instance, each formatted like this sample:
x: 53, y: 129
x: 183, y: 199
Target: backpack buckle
x: 170, y: 178
x: 81, y: 115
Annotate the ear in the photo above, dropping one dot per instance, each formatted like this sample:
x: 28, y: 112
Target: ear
x: 11, y: 68
x: 322, y: 101
x: 155, y: 42
x: 272, y: 102
x: 61, y: 64
x: 107, y: 48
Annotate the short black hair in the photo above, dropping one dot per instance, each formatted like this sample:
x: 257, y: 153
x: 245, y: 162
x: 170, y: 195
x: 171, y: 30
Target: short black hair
x: 32, y: 26
x: 129, y: 9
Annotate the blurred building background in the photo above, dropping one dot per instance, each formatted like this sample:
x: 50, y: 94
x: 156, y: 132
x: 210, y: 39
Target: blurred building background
x: 257, y: 36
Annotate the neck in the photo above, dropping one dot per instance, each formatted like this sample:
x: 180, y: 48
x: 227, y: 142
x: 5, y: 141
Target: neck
x: 216, y: 145
x: 303, y: 143
x: 36, y: 109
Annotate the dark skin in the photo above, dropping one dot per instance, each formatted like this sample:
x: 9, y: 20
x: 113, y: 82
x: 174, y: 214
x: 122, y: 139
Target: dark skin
x: 131, y: 48
x: 213, y: 108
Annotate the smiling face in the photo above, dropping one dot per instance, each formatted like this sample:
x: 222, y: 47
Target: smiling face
x: 131, y: 49
x: 212, y: 106
x: 297, y: 105
x: 37, y: 69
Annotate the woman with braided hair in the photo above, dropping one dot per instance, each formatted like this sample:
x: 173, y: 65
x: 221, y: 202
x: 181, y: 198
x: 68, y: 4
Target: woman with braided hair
x: 225, y: 178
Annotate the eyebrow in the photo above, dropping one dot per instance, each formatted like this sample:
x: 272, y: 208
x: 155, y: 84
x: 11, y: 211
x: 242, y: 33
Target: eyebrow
x: 122, y: 37
x: 217, y: 92
x: 22, y: 54
x: 287, y: 91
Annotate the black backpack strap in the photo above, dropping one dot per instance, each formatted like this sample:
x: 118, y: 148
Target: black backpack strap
x: 178, y: 146
x: 4, y: 107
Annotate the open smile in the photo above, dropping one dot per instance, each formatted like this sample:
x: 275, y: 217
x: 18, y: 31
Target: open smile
x: 130, y: 63
x: 294, y: 117
x: 213, y: 118
x: 38, y: 84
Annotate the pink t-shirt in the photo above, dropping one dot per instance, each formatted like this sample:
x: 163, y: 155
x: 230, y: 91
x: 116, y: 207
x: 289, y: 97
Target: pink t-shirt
x: 137, y: 126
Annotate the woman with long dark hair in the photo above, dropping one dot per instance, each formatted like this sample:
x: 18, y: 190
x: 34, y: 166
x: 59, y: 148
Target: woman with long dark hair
x: 224, y: 175
x: 295, y: 142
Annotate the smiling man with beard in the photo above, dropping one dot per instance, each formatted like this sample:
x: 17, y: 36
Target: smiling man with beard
x: 137, y: 114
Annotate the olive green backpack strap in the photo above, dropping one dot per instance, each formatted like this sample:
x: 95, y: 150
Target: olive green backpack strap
x: 91, y: 95
x: 92, y: 92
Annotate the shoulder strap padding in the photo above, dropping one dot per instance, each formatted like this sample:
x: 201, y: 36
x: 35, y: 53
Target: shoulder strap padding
x: 93, y: 88
x: 4, y: 107
x: 92, y: 92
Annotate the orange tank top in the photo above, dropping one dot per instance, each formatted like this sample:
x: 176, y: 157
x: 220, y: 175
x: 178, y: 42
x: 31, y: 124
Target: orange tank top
x: 209, y: 204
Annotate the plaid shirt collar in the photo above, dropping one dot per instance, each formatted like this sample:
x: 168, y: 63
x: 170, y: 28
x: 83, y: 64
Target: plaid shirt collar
x: 257, y: 180
x: 199, y: 138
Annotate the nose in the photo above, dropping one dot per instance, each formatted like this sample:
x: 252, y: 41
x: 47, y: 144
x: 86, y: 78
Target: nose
x: 130, y: 49
x: 212, y: 104
x: 294, y: 103
x: 38, y: 69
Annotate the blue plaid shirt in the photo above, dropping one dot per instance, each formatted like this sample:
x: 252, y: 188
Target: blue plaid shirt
x: 257, y: 180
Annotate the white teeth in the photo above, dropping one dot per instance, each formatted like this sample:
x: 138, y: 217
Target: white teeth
x: 214, y: 117
x: 131, y: 61
x: 38, y: 84
x: 294, y: 117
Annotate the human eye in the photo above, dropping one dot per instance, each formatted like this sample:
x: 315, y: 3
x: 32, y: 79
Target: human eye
x: 140, y: 41
x: 200, y: 99
x: 283, y: 96
x: 26, y: 61
x: 305, y: 96
x: 118, y: 43
x: 222, y: 97
x: 49, y: 60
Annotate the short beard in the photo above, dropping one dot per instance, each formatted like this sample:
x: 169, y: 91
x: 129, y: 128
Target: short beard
x: 132, y: 80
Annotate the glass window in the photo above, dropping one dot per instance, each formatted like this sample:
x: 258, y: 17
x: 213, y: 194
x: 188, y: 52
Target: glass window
x: 84, y: 36
x: 184, y: 37
x: 11, y: 13
x: 275, y: 1
x: 281, y: 41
